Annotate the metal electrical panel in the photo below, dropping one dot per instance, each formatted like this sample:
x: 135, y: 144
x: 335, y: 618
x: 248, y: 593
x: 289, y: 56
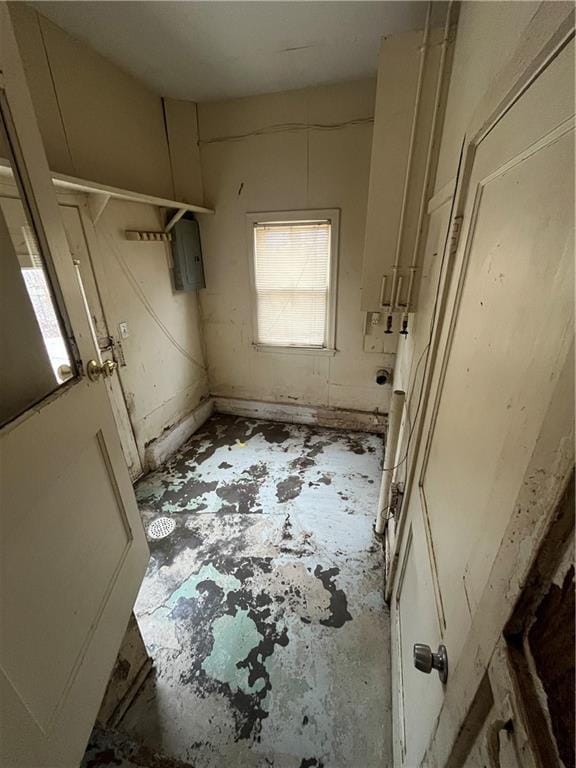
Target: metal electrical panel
x: 187, y: 255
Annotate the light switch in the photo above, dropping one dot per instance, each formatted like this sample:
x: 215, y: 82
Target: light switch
x: 123, y: 329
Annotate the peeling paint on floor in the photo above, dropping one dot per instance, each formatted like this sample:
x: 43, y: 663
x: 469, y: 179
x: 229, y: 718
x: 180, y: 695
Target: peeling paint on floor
x: 263, y: 611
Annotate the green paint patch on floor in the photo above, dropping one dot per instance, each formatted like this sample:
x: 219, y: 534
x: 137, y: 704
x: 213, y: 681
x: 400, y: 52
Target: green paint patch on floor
x: 234, y: 638
x: 187, y: 589
x: 152, y: 488
x: 211, y: 504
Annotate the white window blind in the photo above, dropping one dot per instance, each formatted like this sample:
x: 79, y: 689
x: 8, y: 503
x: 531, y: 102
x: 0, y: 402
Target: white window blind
x: 292, y: 281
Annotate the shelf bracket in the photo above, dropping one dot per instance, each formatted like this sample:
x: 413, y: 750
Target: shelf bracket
x: 97, y: 201
x: 175, y: 218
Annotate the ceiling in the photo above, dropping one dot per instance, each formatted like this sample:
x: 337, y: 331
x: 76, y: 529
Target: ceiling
x: 217, y: 50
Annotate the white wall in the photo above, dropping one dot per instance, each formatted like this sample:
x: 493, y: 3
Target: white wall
x: 182, y: 131
x: 97, y: 122
x: 286, y: 169
x: 164, y: 378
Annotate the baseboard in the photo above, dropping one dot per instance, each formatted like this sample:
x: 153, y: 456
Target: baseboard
x: 159, y: 450
x: 130, y: 694
x: 336, y: 418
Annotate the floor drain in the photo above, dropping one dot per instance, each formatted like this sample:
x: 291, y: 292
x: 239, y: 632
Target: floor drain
x: 161, y: 527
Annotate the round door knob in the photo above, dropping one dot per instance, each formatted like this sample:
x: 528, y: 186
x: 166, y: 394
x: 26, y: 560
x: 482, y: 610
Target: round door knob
x: 94, y: 369
x: 423, y: 658
x: 108, y: 367
x: 426, y: 661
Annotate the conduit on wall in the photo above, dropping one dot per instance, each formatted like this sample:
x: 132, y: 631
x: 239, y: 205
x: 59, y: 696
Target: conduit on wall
x: 395, y: 419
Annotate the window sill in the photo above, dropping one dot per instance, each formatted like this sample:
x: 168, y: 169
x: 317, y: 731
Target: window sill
x: 315, y: 351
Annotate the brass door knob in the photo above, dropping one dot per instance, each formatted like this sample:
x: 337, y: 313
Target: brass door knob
x: 94, y: 369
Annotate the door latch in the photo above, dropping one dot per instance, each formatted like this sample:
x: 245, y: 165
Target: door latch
x: 426, y: 661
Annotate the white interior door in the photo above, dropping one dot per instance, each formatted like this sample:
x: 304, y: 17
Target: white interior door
x: 81, y: 240
x: 73, y: 550
x: 505, y: 342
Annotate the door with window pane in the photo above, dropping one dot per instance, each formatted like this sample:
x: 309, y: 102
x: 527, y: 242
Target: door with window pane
x: 72, y: 546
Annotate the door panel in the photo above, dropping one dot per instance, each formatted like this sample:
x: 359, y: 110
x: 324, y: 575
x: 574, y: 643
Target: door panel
x: 72, y: 546
x: 509, y: 342
x: 73, y: 557
x: 79, y: 480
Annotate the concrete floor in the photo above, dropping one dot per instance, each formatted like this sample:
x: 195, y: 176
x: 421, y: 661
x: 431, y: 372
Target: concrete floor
x: 263, y: 610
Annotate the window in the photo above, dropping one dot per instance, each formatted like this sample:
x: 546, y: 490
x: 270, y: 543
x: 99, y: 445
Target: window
x: 293, y: 260
x: 36, y: 358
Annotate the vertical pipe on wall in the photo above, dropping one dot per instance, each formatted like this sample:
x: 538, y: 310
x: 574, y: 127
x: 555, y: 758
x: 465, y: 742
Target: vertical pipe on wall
x: 426, y: 193
x: 394, y: 295
x: 395, y: 418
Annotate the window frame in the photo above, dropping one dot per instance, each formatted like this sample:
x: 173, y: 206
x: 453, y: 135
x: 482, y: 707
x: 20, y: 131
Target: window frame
x: 289, y: 217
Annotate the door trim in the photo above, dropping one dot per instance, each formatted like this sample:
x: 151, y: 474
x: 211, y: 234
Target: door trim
x: 398, y: 594
x: 81, y: 203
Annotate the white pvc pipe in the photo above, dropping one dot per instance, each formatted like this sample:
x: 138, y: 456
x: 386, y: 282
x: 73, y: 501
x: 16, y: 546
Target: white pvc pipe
x: 410, y: 161
x: 425, y: 195
x: 394, y: 421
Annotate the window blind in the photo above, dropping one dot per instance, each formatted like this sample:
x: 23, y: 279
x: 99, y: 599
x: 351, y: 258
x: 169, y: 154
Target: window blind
x: 292, y: 276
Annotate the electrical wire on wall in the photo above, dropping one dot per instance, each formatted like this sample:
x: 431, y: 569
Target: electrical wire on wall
x: 150, y: 309
x: 289, y: 128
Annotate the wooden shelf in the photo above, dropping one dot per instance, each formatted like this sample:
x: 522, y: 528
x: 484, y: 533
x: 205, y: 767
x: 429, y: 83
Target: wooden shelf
x: 100, y: 194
